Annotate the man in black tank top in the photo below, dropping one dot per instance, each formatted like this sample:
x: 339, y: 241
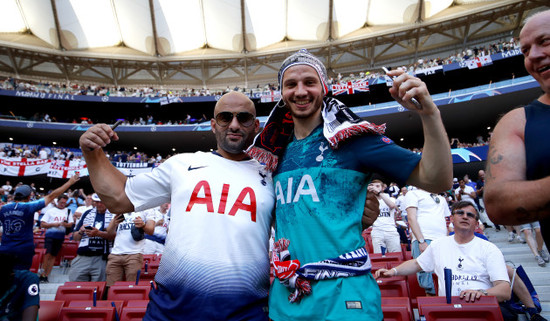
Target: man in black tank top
x: 518, y: 164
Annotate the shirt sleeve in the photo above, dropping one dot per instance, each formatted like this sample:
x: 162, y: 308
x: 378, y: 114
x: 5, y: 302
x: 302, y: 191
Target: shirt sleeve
x: 150, y: 189
x: 410, y: 200
x: 30, y: 284
x: 380, y: 154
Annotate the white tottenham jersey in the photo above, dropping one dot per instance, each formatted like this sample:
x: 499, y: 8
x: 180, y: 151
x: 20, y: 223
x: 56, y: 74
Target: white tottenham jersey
x: 215, y: 264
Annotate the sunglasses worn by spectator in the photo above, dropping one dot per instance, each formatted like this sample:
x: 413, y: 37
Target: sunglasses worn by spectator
x: 225, y: 118
x: 469, y: 214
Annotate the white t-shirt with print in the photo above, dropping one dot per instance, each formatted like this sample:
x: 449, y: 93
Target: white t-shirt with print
x: 124, y: 242
x: 475, y: 265
x: 431, y: 210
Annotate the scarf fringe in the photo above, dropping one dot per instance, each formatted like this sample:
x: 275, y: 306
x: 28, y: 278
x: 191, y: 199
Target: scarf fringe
x: 264, y: 157
x: 355, y: 130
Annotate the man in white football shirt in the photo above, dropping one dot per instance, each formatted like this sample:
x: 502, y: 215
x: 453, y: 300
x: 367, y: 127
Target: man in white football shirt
x: 215, y: 264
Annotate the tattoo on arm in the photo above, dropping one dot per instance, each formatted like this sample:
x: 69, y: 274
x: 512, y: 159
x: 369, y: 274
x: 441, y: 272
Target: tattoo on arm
x: 526, y: 216
x: 494, y: 158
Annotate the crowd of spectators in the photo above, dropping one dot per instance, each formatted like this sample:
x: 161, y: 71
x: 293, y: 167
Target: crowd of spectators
x: 150, y: 91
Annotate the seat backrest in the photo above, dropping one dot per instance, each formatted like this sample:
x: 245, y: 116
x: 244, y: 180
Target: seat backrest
x: 133, y: 313
x: 50, y: 310
x: 483, y: 300
x: 36, y: 260
x: 69, y: 292
x: 99, y: 303
x: 452, y: 312
x: 141, y: 282
x: 87, y: 313
x: 394, y: 286
x: 128, y: 292
x: 396, y: 313
x: 399, y: 301
x: 101, y: 286
x: 136, y: 303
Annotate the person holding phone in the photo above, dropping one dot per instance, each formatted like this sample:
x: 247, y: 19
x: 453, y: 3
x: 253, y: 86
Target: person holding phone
x: 94, y: 243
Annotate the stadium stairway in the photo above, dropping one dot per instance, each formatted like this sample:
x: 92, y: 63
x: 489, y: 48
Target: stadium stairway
x: 58, y: 276
x: 520, y: 254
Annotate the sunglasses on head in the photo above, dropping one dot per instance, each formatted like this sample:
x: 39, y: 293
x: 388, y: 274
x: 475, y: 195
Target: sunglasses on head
x: 225, y: 118
x: 469, y: 214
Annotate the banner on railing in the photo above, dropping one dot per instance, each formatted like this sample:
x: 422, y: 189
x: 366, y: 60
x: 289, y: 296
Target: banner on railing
x: 67, y: 168
x: 270, y: 97
x: 20, y: 166
x: 350, y: 87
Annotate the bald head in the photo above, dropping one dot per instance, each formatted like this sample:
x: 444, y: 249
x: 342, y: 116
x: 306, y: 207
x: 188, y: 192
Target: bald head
x: 533, y: 40
x: 235, y: 98
x: 234, y: 125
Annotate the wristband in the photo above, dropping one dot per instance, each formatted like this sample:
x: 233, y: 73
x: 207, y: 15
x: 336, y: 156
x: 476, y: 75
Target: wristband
x: 394, y: 270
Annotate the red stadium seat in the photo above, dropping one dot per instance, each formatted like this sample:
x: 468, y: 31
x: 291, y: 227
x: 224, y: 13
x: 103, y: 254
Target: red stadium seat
x: 68, y: 293
x: 136, y: 303
x: 400, y: 302
x: 68, y: 251
x: 101, y: 286
x: 99, y: 303
x: 132, y: 313
x: 415, y: 290
x: 50, y: 310
x: 148, y: 276
x: 393, y: 286
x: 388, y: 257
x: 128, y: 292
x: 37, y: 260
x: 141, y: 282
x: 396, y: 313
x: 436, y: 308
x: 87, y: 314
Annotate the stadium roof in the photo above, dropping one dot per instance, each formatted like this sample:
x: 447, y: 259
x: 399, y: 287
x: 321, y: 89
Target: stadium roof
x: 208, y: 42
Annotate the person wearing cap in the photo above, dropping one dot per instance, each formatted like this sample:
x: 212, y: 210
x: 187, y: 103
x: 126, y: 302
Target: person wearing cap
x: 17, y: 219
x: 94, y: 243
x: 324, y: 156
x: 215, y: 264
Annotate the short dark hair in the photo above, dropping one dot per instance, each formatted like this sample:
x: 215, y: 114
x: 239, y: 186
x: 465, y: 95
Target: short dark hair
x: 462, y: 204
x: 63, y: 196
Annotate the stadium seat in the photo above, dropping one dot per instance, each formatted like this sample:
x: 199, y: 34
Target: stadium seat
x: 68, y: 293
x: 128, y: 292
x: 99, y: 303
x: 436, y: 308
x: 101, y: 286
x: 393, y: 286
x: 148, y: 276
x: 50, y: 310
x: 141, y: 282
x: 388, y: 257
x: 68, y: 251
x: 396, y: 313
x: 136, y: 303
x: 400, y: 302
x: 415, y: 290
x: 133, y: 313
x: 37, y: 260
x: 87, y: 313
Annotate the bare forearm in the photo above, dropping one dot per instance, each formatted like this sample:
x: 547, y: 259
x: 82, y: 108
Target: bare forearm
x: 108, y: 182
x: 435, y: 170
x: 501, y: 291
x: 517, y: 202
x: 413, y: 223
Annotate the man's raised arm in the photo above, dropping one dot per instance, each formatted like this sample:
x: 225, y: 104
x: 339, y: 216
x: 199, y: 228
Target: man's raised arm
x: 108, y: 182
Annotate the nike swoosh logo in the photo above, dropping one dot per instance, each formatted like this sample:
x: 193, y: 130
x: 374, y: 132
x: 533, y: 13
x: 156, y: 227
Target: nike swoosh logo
x: 193, y: 168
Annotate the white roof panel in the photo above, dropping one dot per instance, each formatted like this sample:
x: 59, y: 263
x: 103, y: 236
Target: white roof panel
x: 10, y: 17
x: 265, y: 22
x: 87, y: 24
x: 136, y: 27
x: 180, y: 25
x: 307, y: 20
